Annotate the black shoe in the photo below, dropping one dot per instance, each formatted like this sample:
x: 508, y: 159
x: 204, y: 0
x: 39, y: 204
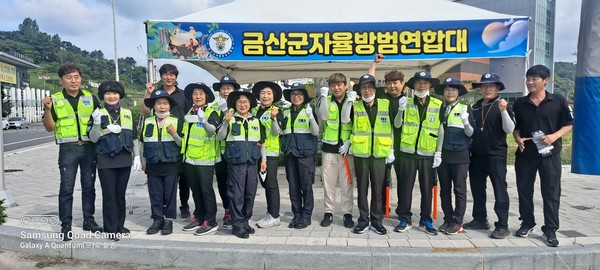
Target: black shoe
x: 348, y: 222
x: 550, y: 238
x: 113, y: 237
x: 91, y: 225
x: 445, y: 226
x: 185, y: 212
x: 293, y: 223
x: 500, y: 233
x: 250, y: 230
x: 124, y: 230
x: 240, y: 233
x: 427, y: 227
x: 360, y: 228
x: 167, y: 227
x: 303, y: 223
x: 453, y: 229
x: 524, y: 231
x: 327, y: 219
x: 402, y: 226
x: 156, y: 226
x: 477, y: 225
x: 378, y: 229
x: 66, y: 233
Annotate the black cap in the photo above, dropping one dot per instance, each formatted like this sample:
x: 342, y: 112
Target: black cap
x: 296, y: 87
x: 159, y: 93
x: 234, y: 96
x: 264, y: 84
x: 422, y: 75
x: 489, y: 78
x: 189, y: 90
x: 367, y: 78
x: 452, y: 82
x: 226, y: 80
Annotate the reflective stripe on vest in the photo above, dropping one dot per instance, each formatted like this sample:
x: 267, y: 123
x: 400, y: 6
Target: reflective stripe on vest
x: 197, y: 147
x: 427, y: 137
x: 241, y: 143
x: 332, y: 125
x: 271, y: 141
x: 110, y: 144
x: 454, y: 133
x: 160, y: 150
x: 69, y: 126
x: 301, y: 124
x: 297, y: 138
x: 366, y: 141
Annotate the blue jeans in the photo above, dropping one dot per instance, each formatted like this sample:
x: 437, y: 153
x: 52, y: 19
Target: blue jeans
x: 71, y: 156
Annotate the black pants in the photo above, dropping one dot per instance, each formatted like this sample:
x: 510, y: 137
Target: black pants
x: 241, y: 191
x: 222, y: 172
x: 550, y: 173
x: 370, y: 170
x: 455, y: 175
x: 495, y: 167
x: 184, y: 191
x: 114, y: 184
x: 271, y: 187
x: 163, y: 196
x: 406, y: 183
x: 300, y: 174
x: 201, y: 182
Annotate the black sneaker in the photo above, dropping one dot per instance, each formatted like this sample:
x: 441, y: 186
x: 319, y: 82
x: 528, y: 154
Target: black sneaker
x: 124, y: 230
x: 402, y: 226
x: 453, y: 229
x: 445, y: 226
x: 378, y: 229
x: 327, y: 219
x: 293, y: 222
x: 240, y: 233
x: 348, y: 222
x: 477, y: 225
x: 360, y: 228
x: 156, y: 226
x: 524, y: 231
x: 427, y: 227
x: 66, y: 233
x: 167, y: 227
x: 185, y: 212
x: 303, y: 223
x: 193, y: 225
x: 206, y: 228
x: 500, y: 233
x: 250, y: 230
x: 91, y: 225
x: 550, y: 238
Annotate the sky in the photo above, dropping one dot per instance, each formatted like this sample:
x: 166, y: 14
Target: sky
x: 88, y: 25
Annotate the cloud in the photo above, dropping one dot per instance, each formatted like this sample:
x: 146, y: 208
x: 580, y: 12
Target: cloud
x: 566, y: 33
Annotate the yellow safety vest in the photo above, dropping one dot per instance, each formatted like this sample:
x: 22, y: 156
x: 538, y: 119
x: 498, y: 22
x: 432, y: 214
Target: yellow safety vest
x: 271, y: 141
x: 366, y: 141
x: 111, y: 144
x: 197, y: 147
x: 420, y: 140
x: 72, y: 127
x: 241, y: 144
x: 331, y: 127
x: 160, y: 148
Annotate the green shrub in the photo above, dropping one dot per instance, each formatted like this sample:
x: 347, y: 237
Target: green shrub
x: 2, y: 214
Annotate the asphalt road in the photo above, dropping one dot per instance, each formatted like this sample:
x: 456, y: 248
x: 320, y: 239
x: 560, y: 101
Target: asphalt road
x: 20, y: 138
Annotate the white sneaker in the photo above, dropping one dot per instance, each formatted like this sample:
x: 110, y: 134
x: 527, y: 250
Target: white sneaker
x: 268, y: 221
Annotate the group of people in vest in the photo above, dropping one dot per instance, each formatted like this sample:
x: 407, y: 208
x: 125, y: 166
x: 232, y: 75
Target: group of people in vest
x: 241, y: 136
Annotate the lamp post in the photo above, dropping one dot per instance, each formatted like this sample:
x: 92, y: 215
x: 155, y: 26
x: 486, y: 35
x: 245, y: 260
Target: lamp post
x: 115, y: 40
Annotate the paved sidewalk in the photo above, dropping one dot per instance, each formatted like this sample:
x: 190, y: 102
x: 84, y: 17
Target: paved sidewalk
x: 32, y: 178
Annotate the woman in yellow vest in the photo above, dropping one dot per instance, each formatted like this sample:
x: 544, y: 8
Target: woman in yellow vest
x: 300, y: 130
x: 244, y: 148
x: 420, y: 150
x: 161, y: 157
x: 113, y: 133
x: 268, y: 114
x: 455, y: 154
x: 371, y: 145
x: 200, y: 153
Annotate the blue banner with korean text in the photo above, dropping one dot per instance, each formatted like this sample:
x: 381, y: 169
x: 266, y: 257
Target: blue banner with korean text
x: 337, y: 41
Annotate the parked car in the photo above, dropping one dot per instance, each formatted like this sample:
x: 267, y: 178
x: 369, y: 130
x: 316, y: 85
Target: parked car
x: 4, y: 124
x: 18, y: 122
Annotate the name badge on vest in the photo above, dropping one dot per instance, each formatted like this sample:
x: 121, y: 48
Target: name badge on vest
x: 265, y: 118
x: 199, y: 124
x: 301, y: 121
x: 86, y: 102
x: 254, y: 128
x: 383, y: 120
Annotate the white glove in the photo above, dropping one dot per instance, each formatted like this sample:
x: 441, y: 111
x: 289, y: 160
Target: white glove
x: 137, y: 164
x: 201, y: 116
x: 465, y: 118
x: 437, y: 159
x: 390, y: 157
x: 344, y: 148
x: 286, y: 104
x: 309, y: 111
x: 324, y: 91
x: 402, y: 103
x: 223, y: 105
x: 97, y: 116
x: 352, y: 96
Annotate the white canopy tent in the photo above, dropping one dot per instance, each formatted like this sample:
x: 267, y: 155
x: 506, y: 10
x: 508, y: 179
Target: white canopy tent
x: 331, y: 12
